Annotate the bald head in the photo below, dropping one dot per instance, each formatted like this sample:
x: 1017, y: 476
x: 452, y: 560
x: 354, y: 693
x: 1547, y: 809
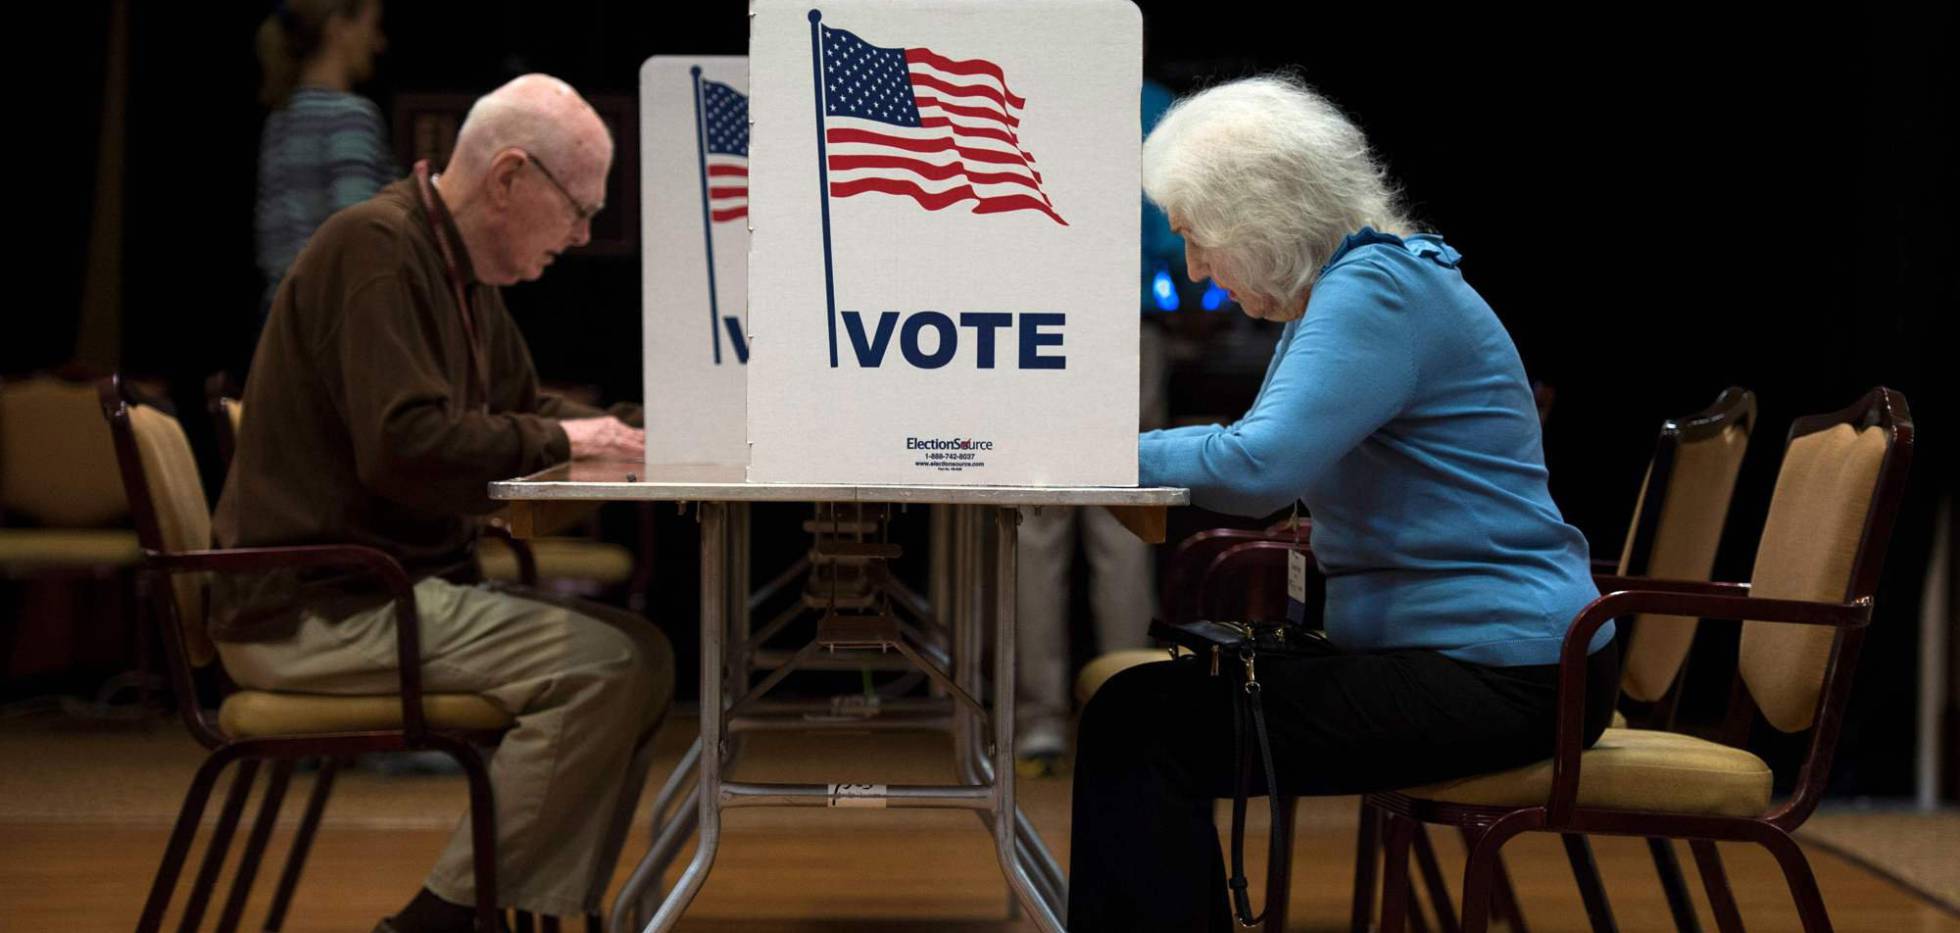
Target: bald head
x: 540, y: 115
x: 527, y: 174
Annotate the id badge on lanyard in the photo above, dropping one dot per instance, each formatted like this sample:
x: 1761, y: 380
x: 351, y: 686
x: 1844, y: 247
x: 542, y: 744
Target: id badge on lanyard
x: 1296, y: 576
x: 479, y: 383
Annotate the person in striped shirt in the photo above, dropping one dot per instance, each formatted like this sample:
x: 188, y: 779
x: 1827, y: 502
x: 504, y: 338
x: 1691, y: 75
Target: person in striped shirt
x: 324, y: 147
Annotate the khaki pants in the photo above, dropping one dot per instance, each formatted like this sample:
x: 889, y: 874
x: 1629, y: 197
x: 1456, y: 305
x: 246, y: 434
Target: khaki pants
x: 587, y: 685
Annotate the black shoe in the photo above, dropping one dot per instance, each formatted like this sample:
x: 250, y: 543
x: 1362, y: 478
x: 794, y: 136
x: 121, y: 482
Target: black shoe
x: 428, y: 912
x: 387, y: 925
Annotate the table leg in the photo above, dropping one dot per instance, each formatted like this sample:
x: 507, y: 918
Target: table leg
x: 627, y: 913
x: 1008, y: 840
x: 967, y: 640
x: 1041, y: 863
x: 715, y: 554
x: 1043, y: 868
x: 664, y: 800
x: 939, y: 573
x: 739, y: 662
x: 668, y: 832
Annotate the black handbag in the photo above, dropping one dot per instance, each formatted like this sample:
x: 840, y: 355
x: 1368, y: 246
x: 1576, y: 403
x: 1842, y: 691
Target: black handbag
x: 1233, y: 649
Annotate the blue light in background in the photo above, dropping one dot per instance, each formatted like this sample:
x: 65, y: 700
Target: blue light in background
x: 1214, y: 296
x: 1164, y: 290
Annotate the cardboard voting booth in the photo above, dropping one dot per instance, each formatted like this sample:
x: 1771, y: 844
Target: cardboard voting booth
x: 694, y: 153
x: 943, y: 257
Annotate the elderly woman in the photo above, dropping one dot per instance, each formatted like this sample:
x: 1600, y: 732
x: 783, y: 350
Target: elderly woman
x: 1397, y: 410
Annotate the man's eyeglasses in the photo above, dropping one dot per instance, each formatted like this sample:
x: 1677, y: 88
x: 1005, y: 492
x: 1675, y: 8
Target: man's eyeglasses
x: 583, y: 213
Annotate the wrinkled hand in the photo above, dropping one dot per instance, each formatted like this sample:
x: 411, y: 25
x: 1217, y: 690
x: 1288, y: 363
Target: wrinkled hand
x: 606, y: 438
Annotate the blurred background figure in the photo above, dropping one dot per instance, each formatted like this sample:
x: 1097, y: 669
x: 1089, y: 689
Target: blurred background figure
x: 323, y: 147
x: 1122, y: 586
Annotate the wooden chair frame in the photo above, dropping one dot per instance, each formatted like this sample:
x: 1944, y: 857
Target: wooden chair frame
x: 160, y: 564
x: 1734, y: 408
x: 1492, y: 827
x: 1243, y: 557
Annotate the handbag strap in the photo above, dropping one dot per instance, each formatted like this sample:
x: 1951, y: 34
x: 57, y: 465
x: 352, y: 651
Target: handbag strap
x: 1250, y: 698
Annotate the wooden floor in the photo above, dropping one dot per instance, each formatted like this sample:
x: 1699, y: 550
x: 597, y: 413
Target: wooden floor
x: 84, y: 813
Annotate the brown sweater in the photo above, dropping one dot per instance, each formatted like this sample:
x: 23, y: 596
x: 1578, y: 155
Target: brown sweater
x: 361, y: 423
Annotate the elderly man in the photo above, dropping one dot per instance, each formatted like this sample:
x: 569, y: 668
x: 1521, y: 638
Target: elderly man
x: 389, y: 387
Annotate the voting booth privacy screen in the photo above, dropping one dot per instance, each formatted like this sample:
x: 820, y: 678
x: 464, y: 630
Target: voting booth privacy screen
x: 943, y: 245
x: 694, y: 153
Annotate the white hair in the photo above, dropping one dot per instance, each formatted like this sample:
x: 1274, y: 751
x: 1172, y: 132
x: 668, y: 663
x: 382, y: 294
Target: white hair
x: 535, y: 113
x: 1271, y: 176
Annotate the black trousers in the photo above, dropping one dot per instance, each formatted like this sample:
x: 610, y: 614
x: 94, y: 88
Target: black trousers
x: 1156, y: 749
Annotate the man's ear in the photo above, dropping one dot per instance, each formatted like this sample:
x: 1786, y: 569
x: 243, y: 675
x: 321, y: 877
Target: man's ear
x: 501, y: 179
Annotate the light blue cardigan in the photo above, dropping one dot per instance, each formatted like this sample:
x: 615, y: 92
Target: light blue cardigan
x: 1397, y: 409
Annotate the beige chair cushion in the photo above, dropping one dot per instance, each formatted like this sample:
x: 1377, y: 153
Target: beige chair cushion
x: 1098, y: 672
x: 1816, y: 520
x: 250, y: 713
x: 36, y: 548
x: 1696, y: 505
x: 559, y: 559
x: 57, y: 461
x: 183, y: 515
x: 1619, y: 720
x: 1631, y: 769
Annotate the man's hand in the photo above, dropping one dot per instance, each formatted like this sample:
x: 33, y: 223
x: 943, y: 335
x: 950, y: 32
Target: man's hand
x: 605, y: 438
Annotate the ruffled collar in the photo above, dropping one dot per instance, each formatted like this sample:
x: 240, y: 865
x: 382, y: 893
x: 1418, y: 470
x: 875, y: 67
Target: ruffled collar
x: 1427, y: 245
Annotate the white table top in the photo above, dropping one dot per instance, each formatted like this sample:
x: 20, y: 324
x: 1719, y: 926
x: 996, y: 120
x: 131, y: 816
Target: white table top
x: 615, y: 481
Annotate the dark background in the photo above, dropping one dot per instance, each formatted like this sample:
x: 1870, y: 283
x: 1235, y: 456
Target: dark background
x: 1658, y: 206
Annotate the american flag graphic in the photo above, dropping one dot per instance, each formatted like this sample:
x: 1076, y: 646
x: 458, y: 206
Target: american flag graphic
x: 917, y: 124
x: 725, y: 121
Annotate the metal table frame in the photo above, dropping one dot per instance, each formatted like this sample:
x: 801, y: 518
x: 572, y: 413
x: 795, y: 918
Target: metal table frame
x: 959, y: 578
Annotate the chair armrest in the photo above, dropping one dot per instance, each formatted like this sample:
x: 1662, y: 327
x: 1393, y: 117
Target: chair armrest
x: 520, y: 550
x: 408, y: 647
x: 1609, y: 583
x: 1683, y: 598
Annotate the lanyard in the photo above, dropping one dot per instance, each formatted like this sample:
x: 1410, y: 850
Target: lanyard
x: 451, y: 272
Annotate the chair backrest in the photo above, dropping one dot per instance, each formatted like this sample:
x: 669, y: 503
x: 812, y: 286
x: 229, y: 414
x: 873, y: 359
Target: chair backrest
x: 159, y: 474
x: 1183, y: 594
x: 1542, y: 397
x: 1247, y: 582
x: 1677, y: 527
x: 226, y: 415
x: 1829, y: 521
x: 57, y: 465
x: 227, y: 412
